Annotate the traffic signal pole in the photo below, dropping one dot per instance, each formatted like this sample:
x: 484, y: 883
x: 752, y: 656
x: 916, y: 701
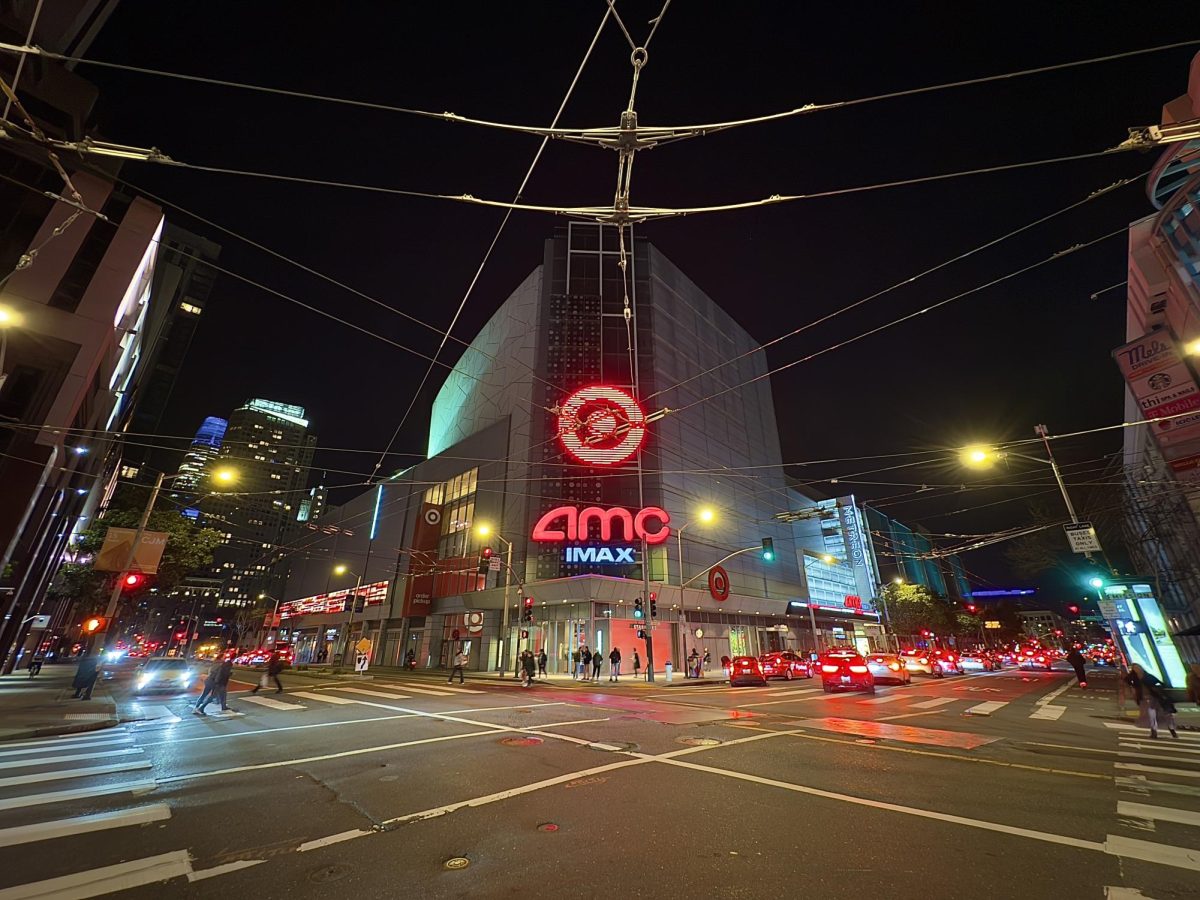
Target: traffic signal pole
x: 110, y: 611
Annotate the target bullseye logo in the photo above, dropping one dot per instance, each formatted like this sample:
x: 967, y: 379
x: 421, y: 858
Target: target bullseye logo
x: 433, y: 516
x: 601, y: 425
x: 718, y: 584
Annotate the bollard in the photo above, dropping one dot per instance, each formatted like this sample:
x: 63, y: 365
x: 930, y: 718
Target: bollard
x: 667, y: 667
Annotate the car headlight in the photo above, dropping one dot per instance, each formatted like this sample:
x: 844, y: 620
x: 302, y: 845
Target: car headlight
x: 144, y: 680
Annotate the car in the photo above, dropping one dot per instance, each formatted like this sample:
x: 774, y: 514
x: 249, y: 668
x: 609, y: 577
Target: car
x: 1034, y: 659
x: 746, y: 670
x: 978, y: 661
x: 846, y: 671
x: 946, y: 661
x: 888, y: 667
x: 785, y: 664
x: 921, y: 661
x: 162, y: 675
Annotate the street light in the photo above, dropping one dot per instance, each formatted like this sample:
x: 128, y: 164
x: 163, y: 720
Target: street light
x: 705, y: 515
x: 483, y: 530
x: 897, y: 580
x: 274, y: 613
x: 8, y: 319
x: 343, y: 569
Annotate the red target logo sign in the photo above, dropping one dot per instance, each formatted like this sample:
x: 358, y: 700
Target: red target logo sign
x: 601, y: 425
x: 718, y: 583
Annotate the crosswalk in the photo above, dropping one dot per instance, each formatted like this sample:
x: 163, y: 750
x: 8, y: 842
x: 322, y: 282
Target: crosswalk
x: 56, y: 789
x: 351, y: 694
x: 1157, y: 809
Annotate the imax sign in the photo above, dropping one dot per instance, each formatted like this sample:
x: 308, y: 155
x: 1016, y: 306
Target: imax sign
x: 616, y: 556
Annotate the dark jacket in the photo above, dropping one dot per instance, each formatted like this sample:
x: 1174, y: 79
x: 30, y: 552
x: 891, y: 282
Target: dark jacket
x: 587, y: 657
x: 530, y: 663
x: 274, y: 665
x: 89, y: 668
x: 542, y: 659
x: 220, y: 675
x: 1075, y: 658
x: 615, y: 656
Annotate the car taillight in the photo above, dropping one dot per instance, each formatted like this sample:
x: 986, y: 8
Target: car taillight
x: 895, y: 667
x: 829, y: 668
x: 923, y: 661
x: 859, y: 669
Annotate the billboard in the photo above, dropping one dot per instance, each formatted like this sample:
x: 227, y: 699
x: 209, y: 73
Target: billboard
x: 1164, y: 387
x: 115, y: 551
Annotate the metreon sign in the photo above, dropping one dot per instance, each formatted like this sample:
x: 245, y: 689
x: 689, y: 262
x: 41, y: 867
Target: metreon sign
x: 569, y: 523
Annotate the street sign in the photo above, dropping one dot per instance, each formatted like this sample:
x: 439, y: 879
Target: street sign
x: 1082, y: 537
x: 360, y: 662
x: 39, y: 623
x: 494, y: 564
x: 363, y: 646
x: 1108, y: 609
x: 991, y: 623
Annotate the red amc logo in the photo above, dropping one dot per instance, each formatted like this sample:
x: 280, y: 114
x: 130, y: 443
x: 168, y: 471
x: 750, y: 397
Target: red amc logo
x: 601, y: 425
x: 650, y: 523
x: 853, y: 602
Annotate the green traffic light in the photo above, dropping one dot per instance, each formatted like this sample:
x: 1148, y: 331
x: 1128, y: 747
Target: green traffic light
x: 768, y: 556
x: 1097, y: 583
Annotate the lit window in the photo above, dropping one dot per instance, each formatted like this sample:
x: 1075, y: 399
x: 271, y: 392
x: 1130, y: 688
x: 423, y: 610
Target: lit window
x: 190, y: 308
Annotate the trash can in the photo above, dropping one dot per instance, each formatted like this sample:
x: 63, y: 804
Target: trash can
x: 667, y: 668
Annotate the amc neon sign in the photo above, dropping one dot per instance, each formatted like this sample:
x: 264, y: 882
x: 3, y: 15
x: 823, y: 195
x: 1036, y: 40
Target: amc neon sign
x: 566, y: 523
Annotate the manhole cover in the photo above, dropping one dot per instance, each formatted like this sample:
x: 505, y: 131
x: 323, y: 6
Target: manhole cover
x: 698, y: 741
x: 456, y: 862
x: 547, y: 826
x: 520, y: 741
x: 328, y: 873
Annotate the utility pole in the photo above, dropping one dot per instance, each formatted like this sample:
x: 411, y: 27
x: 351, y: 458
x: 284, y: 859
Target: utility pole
x: 111, y: 610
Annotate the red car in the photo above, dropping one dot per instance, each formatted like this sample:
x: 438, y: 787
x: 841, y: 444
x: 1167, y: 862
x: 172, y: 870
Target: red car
x: 846, y: 671
x: 746, y: 670
x: 785, y: 664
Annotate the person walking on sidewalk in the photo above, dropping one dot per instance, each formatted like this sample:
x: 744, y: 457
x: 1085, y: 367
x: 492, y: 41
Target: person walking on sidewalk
x: 460, y: 662
x: 575, y: 662
x: 35, y: 664
x: 597, y: 665
x: 542, y: 663
x: 694, y: 664
x: 1075, y: 658
x: 614, y: 665
x: 707, y: 662
x: 530, y: 663
x: 85, y: 676
x: 274, y: 667
x: 637, y: 663
x: 220, y: 687
x: 1151, y: 700
x: 586, y: 656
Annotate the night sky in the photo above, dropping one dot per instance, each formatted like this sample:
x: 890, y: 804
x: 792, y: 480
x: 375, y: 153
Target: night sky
x: 989, y: 367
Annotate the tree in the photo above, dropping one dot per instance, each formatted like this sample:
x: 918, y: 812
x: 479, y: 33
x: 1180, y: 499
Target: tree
x: 912, y: 608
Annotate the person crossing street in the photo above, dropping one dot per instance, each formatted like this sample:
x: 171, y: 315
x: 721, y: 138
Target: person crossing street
x: 460, y: 662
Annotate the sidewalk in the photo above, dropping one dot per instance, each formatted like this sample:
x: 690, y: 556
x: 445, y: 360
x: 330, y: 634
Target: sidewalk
x: 560, y: 680
x: 42, y: 706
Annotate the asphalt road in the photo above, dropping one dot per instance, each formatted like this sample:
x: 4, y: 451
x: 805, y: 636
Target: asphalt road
x: 1010, y: 784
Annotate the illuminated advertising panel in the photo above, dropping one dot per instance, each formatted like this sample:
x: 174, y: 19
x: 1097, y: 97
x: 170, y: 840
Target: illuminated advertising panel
x: 334, y: 601
x: 601, y: 425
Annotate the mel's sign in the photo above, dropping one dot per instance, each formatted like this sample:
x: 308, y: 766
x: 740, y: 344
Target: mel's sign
x: 568, y: 523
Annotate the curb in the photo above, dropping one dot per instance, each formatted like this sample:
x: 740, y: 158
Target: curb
x: 53, y: 730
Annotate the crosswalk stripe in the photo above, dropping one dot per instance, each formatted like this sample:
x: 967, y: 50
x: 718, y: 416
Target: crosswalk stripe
x: 1147, y: 851
x: 350, y: 690
x: 67, y: 747
x: 1123, y: 726
x: 986, y: 708
x: 106, y: 880
x: 1141, y: 784
x: 460, y: 690
x: 437, y: 693
x: 270, y: 702
x: 1048, y: 711
x: 26, y: 763
x: 121, y: 818
x: 75, y: 773
x: 132, y: 787
x: 933, y: 704
x: 1157, y: 770
x: 325, y: 698
x: 886, y: 698
x: 794, y: 692
x: 1168, y: 746
x: 1157, y: 813
x: 1190, y: 740
x: 88, y: 738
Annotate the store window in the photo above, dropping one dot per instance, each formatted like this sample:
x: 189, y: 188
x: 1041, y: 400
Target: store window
x: 456, y: 497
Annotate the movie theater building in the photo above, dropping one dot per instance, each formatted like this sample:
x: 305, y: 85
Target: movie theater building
x: 535, y: 444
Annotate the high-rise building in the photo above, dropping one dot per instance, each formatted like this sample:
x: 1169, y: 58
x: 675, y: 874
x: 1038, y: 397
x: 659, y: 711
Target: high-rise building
x: 1160, y: 363
x: 198, y: 461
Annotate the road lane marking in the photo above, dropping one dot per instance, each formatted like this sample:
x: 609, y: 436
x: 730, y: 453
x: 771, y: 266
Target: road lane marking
x: 1144, y: 735
x: 1160, y: 746
x: 88, y: 738
x: 1158, y: 813
x: 133, y: 787
x: 1156, y: 770
x: 886, y: 698
x: 1052, y: 713
x: 810, y: 696
x: 1142, y: 785
x: 26, y: 763
x: 1161, y: 757
x: 42, y: 831
x: 106, y: 880
x: 460, y: 690
x: 1147, y: 851
x: 68, y: 747
x: 986, y: 708
x: 223, y: 869
x: 270, y: 702
x: 334, y: 839
x: 961, y: 740
x: 928, y: 712
x: 326, y: 698
x: 793, y: 692
x: 437, y: 693
x: 73, y: 773
x: 1042, y: 701
x: 368, y: 693
x: 937, y: 701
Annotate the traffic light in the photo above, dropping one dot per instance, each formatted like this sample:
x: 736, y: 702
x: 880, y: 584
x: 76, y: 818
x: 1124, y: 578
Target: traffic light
x: 1096, y: 581
x: 768, y: 550
x: 485, y: 558
x: 638, y: 612
x: 132, y: 581
x: 94, y: 624
x: 653, y: 604
x: 1073, y: 609
x: 972, y: 608
x: 527, y: 616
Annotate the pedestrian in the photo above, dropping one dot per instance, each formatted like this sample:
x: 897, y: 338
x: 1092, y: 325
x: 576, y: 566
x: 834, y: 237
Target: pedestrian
x: 614, y: 665
x: 707, y: 660
x: 85, y: 676
x: 637, y: 664
x: 1077, y: 661
x: 726, y: 662
x: 586, y: 656
x: 274, y: 667
x: 693, y: 667
x: 597, y: 664
x: 530, y: 667
x: 210, y: 682
x: 575, y: 662
x: 410, y: 660
x: 1151, y: 700
x: 460, y: 662
x: 219, y: 676
x: 35, y: 664
x: 542, y: 663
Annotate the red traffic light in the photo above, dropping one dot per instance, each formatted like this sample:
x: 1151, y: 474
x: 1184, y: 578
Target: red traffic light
x: 133, y: 580
x: 971, y: 607
x: 1073, y: 609
x: 486, y: 552
x: 94, y: 624
x: 529, y: 603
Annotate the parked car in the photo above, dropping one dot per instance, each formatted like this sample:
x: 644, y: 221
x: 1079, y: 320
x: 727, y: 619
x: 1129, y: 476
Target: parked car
x: 785, y: 664
x: 888, y: 667
x: 846, y: 671
x: 746, y: 670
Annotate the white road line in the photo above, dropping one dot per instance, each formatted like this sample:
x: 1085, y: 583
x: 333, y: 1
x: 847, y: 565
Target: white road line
x: 1041, y: 701
x: 1048, y: 712
x: 460, y: 690
x: 1124, y: 726
x: 1142, y: 785
x: 383, y: 694
x: 793, y: 692
x: 133, y: 787
x: 1160, y: 757
x: 155, y: 712
x: 1156, y: 770
x: 437, y: 693
x: 986, y: 708
x: 270, y: 702
x: 325, y: 698
x: 102, y: 754
x: 43, y: 831
x: 221, y: 870
x: 90, y: 737
x: 106, y: 880
x: 75, y: 773
x: 334, y: 839
x: 1147, y: 851
x: 1158, y: 813
x: 886, y: 698
x: 1144, y: 734
x: 813, y: 696
x: 1161, y: 746
x: 1116, y: 892
x: 66, y: 747
x: 934, y: 703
